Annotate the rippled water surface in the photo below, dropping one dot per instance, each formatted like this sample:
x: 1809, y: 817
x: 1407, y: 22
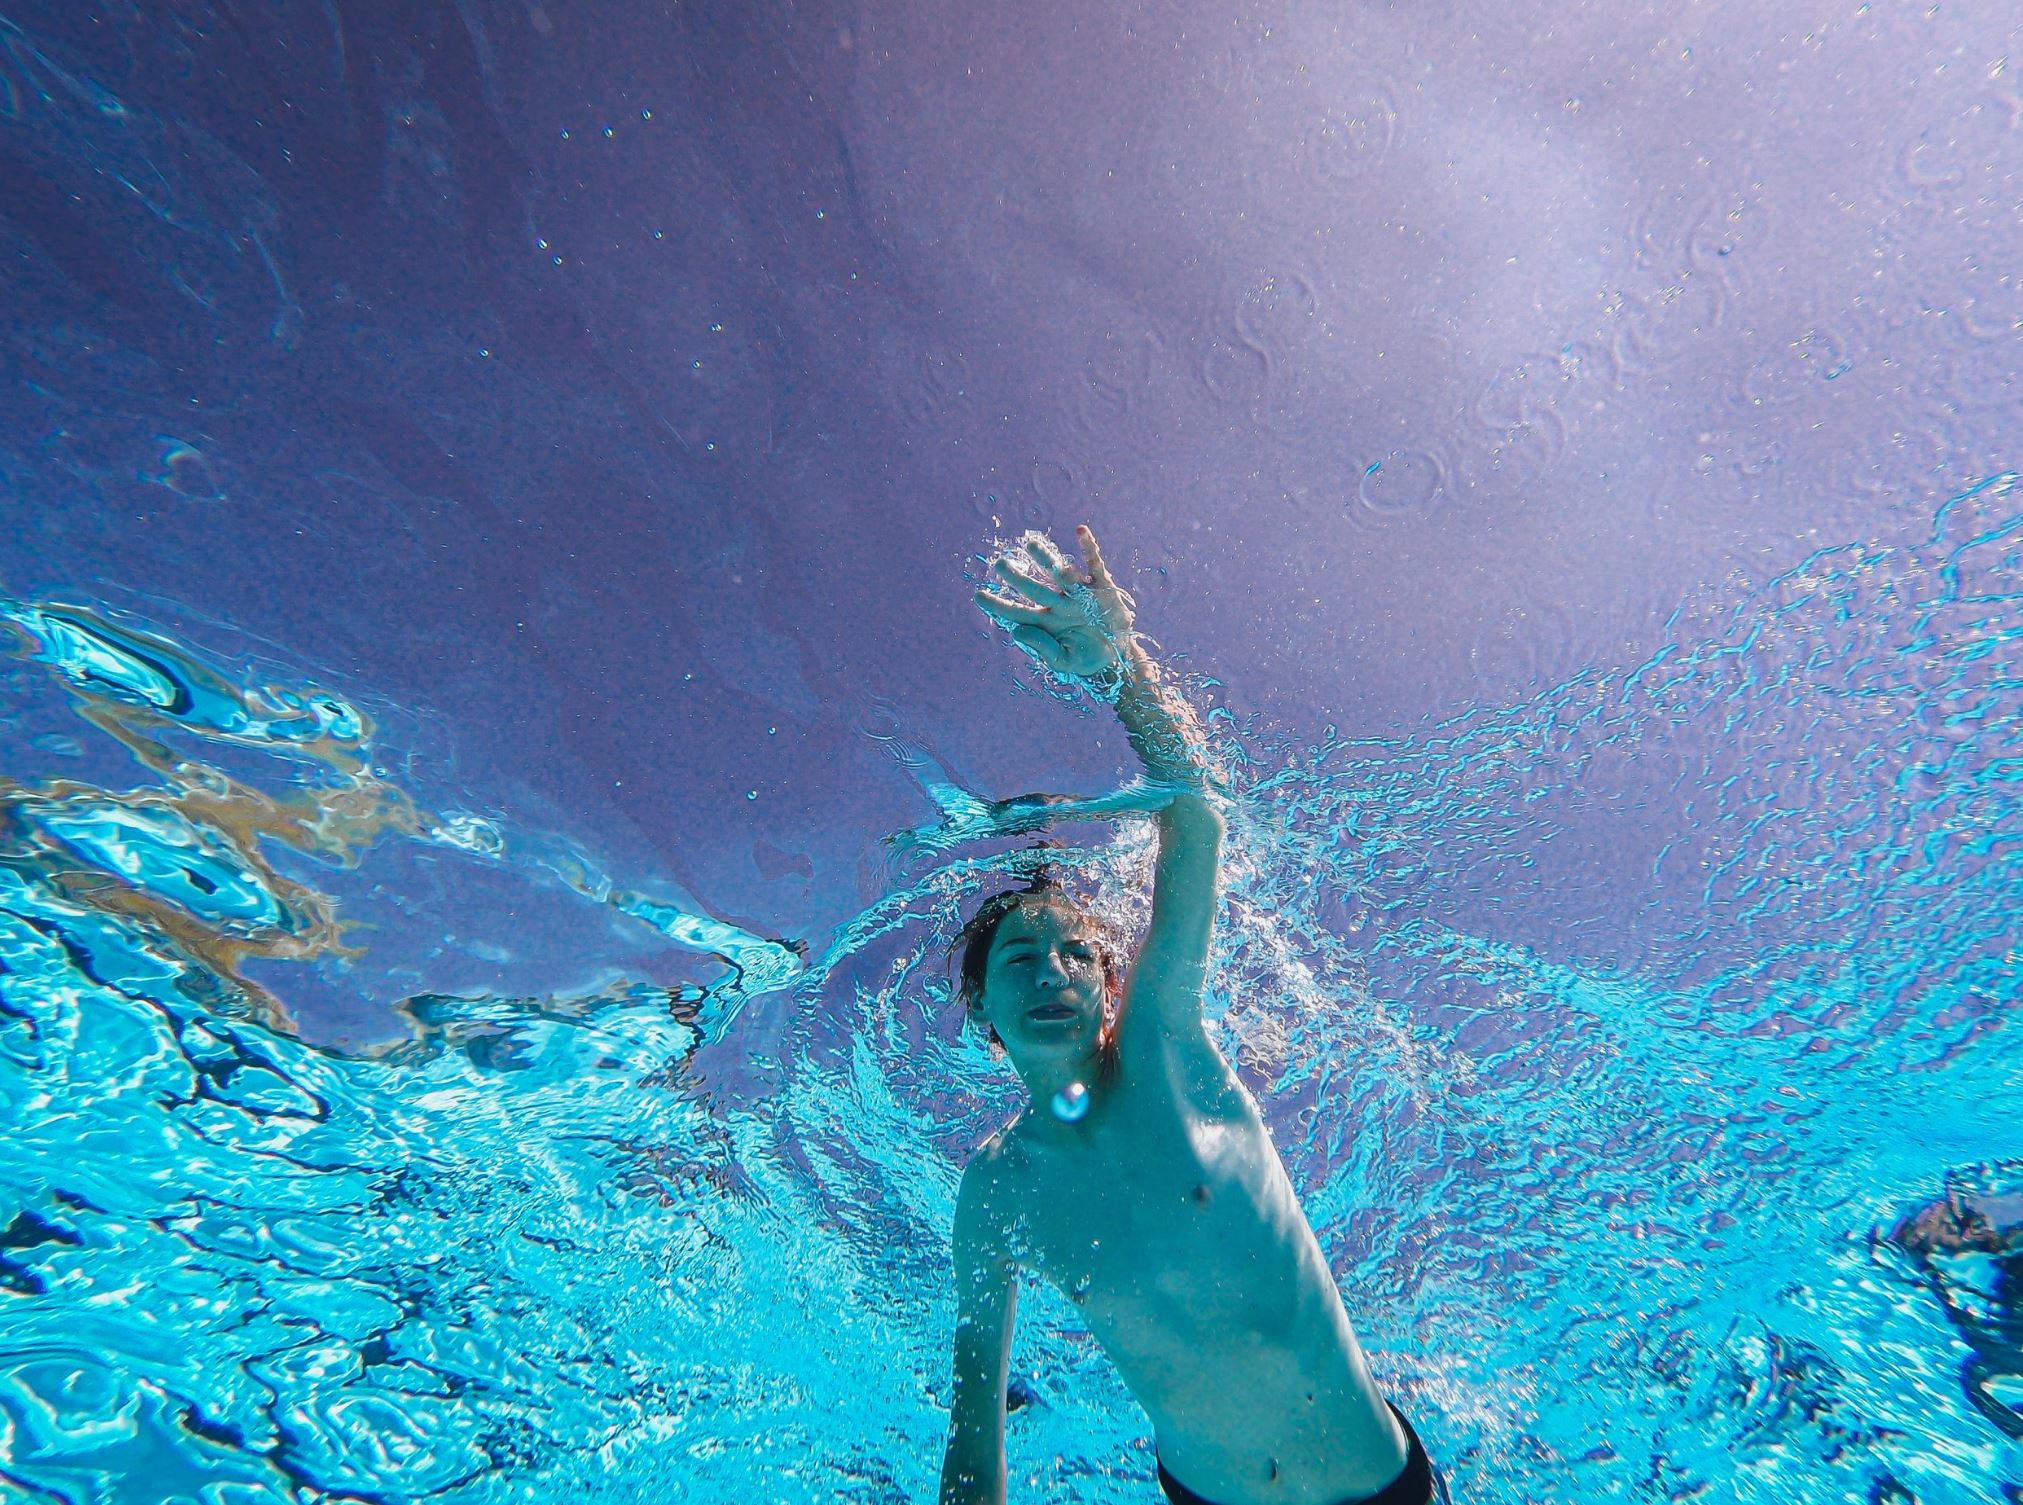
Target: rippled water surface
x: 1604, y: 1189
x: 494, y: 739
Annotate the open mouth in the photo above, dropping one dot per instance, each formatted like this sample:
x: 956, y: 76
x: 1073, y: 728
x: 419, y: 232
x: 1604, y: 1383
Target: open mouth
x: 1051, y: 1013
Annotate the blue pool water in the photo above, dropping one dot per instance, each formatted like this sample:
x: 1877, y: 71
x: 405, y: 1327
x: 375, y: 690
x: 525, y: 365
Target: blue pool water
x: 494, y: 735
x: 1603, y: 1172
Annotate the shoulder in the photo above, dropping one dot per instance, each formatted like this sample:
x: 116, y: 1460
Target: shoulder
x: 989, y: 1208
x: 993, y: 1181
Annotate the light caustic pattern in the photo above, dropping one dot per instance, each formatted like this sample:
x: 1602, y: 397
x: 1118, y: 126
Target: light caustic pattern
x: 1600, y: 1176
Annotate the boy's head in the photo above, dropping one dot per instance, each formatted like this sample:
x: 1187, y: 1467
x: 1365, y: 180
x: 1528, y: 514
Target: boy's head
x: 1038, y: 971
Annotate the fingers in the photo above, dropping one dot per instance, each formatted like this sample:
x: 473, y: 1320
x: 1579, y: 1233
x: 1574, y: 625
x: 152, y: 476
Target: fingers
x: 1033, y: 590
x: 1092, y: 556
x: 1011, y: 613
x: 1043, y: 551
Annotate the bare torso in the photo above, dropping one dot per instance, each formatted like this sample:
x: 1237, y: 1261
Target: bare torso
x: 1167, y: 1217
x: 1163, y: 1211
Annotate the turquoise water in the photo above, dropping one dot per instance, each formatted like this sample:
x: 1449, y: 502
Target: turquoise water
x: 1600, y: 1167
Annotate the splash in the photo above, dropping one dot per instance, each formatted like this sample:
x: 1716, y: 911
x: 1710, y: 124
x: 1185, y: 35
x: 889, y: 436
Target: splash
x: 1598, y: 1169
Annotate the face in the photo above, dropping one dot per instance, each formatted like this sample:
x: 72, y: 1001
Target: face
x: 1043, y: 984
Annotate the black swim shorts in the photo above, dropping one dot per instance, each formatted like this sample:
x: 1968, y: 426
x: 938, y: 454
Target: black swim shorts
x: 1419, y: 1484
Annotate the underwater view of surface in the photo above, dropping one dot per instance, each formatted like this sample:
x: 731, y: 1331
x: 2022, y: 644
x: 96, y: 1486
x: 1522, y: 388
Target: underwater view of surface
x: 495, y: 741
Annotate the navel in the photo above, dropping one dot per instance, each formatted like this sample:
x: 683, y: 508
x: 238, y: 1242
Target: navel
x: 1201, y: 1195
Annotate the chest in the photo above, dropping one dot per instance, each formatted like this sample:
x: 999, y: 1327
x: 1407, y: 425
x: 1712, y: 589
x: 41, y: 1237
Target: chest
x: 1169, y: 1216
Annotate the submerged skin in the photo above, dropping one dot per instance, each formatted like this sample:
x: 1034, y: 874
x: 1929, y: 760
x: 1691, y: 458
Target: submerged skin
x: 1989, y: 1321
x: 1164, y: 1212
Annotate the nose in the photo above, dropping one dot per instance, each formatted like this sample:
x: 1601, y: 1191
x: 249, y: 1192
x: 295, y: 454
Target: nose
x: 1052, y: 972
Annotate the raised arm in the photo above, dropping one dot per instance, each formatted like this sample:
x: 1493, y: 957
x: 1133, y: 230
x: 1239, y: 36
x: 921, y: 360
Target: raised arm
x: 1171, y: 972
x: 972, y: 1470
x: 1079, y: 623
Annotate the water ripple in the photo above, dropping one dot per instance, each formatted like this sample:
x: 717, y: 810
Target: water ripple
x: 525, y: 1250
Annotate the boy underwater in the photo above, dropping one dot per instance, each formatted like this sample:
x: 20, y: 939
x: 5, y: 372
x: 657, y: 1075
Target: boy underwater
x: 1141, y: 1181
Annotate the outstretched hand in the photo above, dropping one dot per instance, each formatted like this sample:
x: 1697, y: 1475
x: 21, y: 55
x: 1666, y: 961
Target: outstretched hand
x: 1075, y: 621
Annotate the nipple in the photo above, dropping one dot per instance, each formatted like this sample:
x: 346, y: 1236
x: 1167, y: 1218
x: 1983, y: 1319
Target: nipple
x: 1071, y: 1102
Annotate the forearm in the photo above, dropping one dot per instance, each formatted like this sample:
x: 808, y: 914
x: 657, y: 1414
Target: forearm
x: 1161, y: 725
x: 972, y: 1470
x: 1036, y: 812
x: 968, y: 1486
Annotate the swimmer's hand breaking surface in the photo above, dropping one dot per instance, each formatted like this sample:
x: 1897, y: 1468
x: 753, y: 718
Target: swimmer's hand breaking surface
x: 1075, y: 621
x: 1078, y: 622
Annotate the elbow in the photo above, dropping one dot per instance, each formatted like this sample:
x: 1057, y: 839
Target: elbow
x: 1192, y: 815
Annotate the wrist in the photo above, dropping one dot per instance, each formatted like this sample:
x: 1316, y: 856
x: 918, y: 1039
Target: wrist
x: 1128, y: 668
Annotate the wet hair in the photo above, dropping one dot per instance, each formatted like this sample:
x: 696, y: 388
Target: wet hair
x: 973, y: 942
